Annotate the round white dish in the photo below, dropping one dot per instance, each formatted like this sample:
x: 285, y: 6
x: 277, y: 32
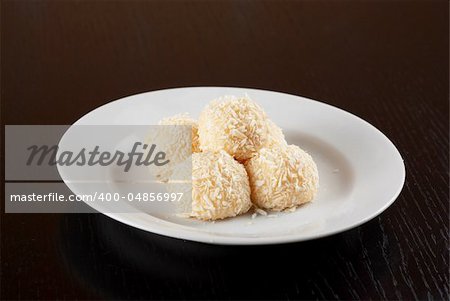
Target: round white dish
x: 361, y: 171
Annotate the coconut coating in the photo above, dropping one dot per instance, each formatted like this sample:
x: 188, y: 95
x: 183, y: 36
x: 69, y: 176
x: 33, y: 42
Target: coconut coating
x: 175, y: 141
x: 184, y: 119
x: 275, y: 136
x: 282, y: 177
x: 220, y: 186
x: 236, y: 125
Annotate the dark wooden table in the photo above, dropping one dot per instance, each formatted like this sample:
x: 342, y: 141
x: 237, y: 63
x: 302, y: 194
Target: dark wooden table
x: 386, y: 61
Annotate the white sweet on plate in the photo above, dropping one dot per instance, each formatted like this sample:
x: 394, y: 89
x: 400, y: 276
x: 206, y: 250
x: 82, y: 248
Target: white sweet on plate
x: 236, y: 125
x: 282, y: 177
x: 173, y: 139
x: 220, y: 187
x: 185, y: 119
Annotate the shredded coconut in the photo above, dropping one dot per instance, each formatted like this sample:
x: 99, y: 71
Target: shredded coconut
x: 184, y: 119
x: 275, y: 135
x: 276, y: 176
x: 260, y: 211
x: 282, y: 177
x: 236, y: 125
x: 292, y: 209
x: 220, y: 186
x: 175, y: 140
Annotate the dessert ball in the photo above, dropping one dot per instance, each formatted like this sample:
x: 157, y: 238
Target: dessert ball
x: 282, y: 177
x: 176, y: 140
x: 220, y: 186
x: 275, y: 135
x: 184, y: 119
x: 235, y: 125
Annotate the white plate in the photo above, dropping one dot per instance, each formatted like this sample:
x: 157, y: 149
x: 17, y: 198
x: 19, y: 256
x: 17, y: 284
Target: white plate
x: 361, y: 172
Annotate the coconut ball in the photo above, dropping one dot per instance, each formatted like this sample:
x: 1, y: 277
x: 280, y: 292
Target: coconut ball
x: 275, y: 135
x: 282, y: 177
x: 219, y: 189
x: 236, y: 125
x: 176, y: 140
x: 184, y: 119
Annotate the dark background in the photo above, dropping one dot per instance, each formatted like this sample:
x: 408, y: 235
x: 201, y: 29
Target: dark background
x: 385, y: 61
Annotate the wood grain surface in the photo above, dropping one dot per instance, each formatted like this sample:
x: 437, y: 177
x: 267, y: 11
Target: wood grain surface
x: 385, y: 61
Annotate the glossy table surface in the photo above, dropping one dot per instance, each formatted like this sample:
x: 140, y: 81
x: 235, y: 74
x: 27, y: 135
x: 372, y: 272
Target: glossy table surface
x: 385, y: 61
